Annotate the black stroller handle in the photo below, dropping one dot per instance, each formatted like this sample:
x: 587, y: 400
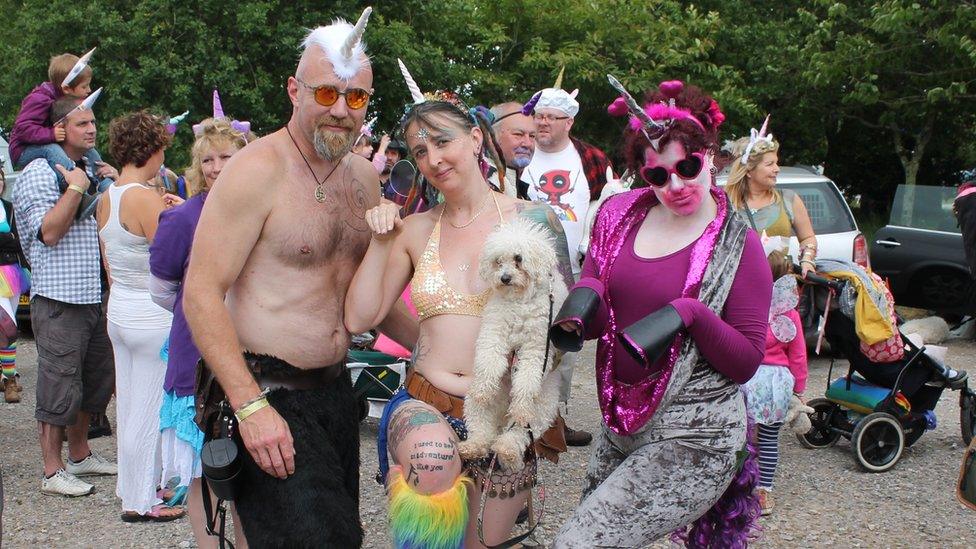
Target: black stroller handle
x: 813, y: 278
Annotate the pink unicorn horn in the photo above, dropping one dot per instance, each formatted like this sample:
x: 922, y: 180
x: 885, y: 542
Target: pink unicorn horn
x: 762, y: 130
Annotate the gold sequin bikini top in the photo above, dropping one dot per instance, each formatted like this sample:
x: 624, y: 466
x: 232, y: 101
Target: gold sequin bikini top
x: 430, y: 292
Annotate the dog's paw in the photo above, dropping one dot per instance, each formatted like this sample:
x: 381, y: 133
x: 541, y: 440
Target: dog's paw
x: 521, y: 412
x: 480, y: 394
x: 510, y: 452
x: 473, y: 449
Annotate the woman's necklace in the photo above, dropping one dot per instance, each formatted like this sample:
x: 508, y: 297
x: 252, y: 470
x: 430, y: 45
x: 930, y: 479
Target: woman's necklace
x: 320, y: 195
x: 475, y: 216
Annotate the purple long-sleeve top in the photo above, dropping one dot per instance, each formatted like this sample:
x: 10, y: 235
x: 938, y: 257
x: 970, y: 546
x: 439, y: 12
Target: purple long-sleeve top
x: 169, y: 257
x: 33, y: 124
x: 733, y: 343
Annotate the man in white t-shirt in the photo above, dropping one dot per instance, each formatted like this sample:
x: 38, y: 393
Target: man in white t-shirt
x: 567, y: 174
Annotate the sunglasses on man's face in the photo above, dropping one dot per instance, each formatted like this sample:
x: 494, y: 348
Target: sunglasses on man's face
x: 687, y: 168
x: 326, y: 95
x: 966, y: 490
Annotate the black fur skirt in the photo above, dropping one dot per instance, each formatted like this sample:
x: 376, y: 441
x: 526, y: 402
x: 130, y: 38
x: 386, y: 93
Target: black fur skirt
x: 318, y: 506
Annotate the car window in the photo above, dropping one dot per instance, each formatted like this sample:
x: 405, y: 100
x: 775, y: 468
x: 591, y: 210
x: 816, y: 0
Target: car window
x: 828, y: 213
x: 924, y: 207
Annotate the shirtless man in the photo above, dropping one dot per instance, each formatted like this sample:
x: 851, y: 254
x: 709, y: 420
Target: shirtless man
x: 278, y: 242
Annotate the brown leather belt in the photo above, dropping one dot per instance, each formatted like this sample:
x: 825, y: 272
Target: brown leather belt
x: 548, y: 444
x: 445, y: 403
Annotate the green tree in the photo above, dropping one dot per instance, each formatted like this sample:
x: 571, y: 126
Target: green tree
x: 903, y: 67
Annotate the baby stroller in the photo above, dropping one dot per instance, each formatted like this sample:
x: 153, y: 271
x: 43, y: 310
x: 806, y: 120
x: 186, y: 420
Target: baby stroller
x: 880, y: 407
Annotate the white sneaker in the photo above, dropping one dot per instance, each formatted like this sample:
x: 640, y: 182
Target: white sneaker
x: 92, y: 465
x: 65, y: 484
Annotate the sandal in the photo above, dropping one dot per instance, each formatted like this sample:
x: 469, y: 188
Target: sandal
x: 159, y: 513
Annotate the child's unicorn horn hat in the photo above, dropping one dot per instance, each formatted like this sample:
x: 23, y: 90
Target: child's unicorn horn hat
x: 79, y: 66
x: 343, y: 44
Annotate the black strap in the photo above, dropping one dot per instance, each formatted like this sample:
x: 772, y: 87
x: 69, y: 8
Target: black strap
x: 213, y: 515
x: 752, y: 220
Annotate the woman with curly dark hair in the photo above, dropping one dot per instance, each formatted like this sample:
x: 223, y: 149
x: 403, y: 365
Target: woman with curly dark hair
x: 677, y: 290
x: 138, y: 328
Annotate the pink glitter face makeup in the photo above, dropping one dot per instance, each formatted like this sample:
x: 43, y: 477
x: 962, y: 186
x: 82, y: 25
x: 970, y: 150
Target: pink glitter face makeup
x: 680, y: 195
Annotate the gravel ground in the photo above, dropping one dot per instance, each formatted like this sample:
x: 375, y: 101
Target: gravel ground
x: 822, y: 497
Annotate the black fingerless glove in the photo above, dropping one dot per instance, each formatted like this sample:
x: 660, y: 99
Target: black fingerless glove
x: 580, y: 306
x: 648, y: 338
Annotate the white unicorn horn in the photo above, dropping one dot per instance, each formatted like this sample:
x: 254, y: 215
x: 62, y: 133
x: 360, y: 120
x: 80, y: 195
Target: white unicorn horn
x: 356, y: 35
x: 415, y: 93
x: 78, y: 67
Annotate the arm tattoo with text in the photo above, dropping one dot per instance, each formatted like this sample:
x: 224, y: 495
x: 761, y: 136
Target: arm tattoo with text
x: 543, y: 215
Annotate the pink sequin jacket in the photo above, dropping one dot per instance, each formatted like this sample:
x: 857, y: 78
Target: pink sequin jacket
x: 721, y: 287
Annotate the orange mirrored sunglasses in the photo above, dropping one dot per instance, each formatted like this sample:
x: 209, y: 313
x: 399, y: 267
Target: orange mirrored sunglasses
x: 326, y: 95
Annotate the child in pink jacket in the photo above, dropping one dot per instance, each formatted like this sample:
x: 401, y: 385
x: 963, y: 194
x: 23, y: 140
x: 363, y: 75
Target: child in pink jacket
x: 781, y: 374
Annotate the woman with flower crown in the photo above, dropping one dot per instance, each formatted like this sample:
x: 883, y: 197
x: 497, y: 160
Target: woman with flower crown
x: 751, y: 187
x: 677, y: 290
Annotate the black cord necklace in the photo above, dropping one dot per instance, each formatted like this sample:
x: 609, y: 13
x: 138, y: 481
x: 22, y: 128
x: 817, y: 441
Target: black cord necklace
x: 320, y: 195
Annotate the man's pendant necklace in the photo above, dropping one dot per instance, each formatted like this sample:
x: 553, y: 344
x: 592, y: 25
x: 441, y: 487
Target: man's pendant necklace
x: 319, y: 194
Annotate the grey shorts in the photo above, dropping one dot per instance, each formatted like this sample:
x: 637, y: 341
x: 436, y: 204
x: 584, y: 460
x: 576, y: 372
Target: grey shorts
x: 75, y: 365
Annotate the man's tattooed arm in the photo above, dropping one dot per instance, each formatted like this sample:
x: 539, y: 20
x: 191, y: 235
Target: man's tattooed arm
x: 543, y: 215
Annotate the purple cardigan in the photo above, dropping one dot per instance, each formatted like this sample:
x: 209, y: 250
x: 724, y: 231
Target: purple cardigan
x: 169, y: 256
x: 33, y: 124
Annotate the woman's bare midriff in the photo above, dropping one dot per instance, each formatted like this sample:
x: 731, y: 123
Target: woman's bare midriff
x: 444, y: 354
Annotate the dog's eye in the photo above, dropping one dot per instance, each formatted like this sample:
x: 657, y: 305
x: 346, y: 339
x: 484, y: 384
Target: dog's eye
x: 518, y: 258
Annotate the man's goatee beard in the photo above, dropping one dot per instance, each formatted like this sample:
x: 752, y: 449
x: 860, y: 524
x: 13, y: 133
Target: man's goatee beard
x: 331, y: 146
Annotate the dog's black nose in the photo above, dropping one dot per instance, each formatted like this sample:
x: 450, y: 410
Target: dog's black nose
x: 506, y: 279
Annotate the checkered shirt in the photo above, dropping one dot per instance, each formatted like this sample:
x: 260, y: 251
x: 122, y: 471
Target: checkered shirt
x: 68, y: 271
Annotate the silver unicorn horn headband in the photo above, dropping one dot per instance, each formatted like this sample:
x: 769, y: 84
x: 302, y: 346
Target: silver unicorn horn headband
x: 756, y: 138
x: 87, y: 104
x: 79, y: 66
x: 646, y: 122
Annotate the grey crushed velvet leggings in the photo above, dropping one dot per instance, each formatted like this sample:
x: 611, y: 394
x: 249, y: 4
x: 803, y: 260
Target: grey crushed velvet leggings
x: 665, y: 476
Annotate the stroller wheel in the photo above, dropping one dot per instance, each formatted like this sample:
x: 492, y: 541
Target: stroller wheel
x: 878, y: 441
x: 967, y: 415
x: 821, y: 433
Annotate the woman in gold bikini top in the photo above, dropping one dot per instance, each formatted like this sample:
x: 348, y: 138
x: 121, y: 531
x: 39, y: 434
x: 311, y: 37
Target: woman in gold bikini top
x: 437, y: 253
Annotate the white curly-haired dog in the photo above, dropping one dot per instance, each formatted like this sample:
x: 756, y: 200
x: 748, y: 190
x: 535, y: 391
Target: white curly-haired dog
x: 519, y: 262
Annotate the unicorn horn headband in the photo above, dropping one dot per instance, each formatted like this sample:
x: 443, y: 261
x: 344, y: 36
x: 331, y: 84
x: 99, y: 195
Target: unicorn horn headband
x: 342, y: 44
x: 79, y: 66
x: 755, y: 138
x: 415, y: 93
x: 241, y: 126
x: 175, y: 121
x: 645, y: 121
x: 88, y: 103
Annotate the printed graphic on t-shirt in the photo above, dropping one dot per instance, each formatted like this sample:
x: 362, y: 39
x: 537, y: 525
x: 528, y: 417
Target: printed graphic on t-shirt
x: 556, y: 187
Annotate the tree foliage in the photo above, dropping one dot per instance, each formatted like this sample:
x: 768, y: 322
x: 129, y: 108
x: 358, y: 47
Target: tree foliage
x: 879, y: 89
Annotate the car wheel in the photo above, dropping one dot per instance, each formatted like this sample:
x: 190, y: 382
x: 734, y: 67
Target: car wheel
x: 941, y: 289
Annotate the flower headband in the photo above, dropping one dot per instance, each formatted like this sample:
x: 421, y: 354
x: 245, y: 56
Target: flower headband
x: 218, y: 112
x: 446, y: 96
x: 758, y: 141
